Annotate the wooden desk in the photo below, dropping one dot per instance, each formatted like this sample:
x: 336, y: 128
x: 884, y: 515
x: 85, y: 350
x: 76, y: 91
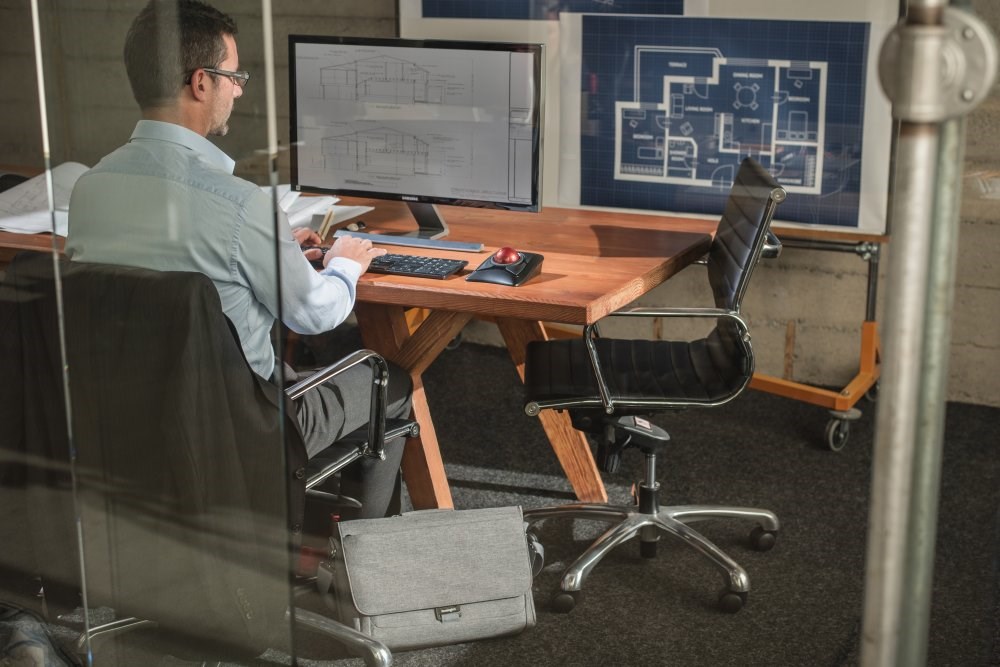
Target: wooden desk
x: 595, y: 262
x: 11, y: 244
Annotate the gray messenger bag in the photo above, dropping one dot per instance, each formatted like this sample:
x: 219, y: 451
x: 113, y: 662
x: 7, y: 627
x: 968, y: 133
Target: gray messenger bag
x: 432, y: 577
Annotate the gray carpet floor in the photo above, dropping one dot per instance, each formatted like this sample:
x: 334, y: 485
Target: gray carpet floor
x: 761, y: 450
x: 805, y: 605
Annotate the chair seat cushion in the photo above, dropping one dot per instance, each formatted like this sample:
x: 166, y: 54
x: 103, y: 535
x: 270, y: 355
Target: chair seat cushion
x: 707, y: 370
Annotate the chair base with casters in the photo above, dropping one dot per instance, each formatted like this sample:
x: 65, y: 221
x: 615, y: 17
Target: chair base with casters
x: 647, y: 520
x: 321, y: 469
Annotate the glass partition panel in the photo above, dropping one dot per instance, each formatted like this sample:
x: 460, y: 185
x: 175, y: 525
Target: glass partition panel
x: 147, y: 446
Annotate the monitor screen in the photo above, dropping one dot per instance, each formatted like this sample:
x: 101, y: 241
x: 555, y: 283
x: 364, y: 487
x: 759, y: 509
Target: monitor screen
x: 422, y: 121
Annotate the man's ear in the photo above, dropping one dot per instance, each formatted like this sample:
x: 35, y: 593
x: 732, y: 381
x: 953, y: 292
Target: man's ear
x: 199, y: 85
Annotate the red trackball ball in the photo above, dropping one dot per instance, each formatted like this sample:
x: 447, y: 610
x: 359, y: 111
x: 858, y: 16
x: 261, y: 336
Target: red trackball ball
x: 506, y: 255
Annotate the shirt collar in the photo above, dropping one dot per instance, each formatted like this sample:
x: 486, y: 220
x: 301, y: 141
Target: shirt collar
x: 178, y: 134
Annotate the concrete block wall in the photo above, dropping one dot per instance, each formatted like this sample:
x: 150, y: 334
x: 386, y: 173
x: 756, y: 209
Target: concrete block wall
x: 805, y: 308
x: 90, y: 105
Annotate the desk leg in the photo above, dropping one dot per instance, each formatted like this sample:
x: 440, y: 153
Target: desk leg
x: 423, y: 467
x: 385, y: 330
x: 570, y: 445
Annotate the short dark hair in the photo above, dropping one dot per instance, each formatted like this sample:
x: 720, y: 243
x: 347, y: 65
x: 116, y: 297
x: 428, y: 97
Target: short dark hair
x: 167, y: 41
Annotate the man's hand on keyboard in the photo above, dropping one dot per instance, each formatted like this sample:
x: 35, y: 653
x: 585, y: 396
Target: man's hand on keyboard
x: 305, y: 236
x: 360, y: 250
x: 309, y: 241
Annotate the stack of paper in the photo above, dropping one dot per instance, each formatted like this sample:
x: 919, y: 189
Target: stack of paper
x: 301, y: 210
x: 25, y: 208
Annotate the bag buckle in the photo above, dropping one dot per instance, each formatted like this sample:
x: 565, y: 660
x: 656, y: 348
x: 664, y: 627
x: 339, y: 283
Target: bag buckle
x: 446, y: 614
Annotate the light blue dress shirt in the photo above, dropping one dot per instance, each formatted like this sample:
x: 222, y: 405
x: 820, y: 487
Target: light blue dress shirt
x: 167, y: 200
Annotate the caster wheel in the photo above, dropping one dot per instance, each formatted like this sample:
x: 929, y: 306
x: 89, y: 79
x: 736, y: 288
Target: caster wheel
x: 647, y: 549
x: 537, y: 552
x: 454, y: 343
x: 564, y: 601
x: 762, y: 540
x: 730, y: 602
x: 872, y: 394
x: 837, y: 433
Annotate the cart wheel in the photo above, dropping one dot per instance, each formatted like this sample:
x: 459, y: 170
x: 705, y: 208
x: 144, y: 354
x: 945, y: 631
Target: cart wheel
x: 872, y: 394
x: 837, y: 433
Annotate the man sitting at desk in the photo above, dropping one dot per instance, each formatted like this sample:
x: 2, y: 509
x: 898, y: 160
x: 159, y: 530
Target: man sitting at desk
x: 168, y: 200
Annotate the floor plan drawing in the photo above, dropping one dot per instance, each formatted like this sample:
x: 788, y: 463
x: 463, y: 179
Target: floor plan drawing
x: 697, y: 114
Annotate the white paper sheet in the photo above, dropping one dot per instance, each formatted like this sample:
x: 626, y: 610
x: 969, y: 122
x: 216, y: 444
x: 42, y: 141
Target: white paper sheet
x: 25, y: 208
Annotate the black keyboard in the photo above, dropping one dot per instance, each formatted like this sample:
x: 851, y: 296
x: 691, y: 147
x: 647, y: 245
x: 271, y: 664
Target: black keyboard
x: 415, y: 265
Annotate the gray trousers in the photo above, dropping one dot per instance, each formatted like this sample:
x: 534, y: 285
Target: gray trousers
x: 340, y: 406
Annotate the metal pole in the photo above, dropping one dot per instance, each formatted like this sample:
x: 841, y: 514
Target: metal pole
x: 935, y: 67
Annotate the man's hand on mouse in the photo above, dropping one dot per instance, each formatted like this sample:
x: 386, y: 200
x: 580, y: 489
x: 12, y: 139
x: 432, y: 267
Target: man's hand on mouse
x: 351, y: 247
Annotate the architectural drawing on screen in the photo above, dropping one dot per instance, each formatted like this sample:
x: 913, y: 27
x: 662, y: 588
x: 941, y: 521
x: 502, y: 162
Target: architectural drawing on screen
x: 382, y: 150
x: 697, y: 114
x: 382, y: 79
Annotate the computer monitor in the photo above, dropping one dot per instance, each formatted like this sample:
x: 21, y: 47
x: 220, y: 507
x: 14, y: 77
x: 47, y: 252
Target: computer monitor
x: 422, y: 121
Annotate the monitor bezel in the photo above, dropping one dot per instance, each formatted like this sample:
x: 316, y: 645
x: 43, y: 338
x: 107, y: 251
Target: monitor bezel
x: 416, y: 198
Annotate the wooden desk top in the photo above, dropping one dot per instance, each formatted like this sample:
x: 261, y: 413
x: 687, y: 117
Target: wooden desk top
x: 11, y: 244
x: 595, y: 261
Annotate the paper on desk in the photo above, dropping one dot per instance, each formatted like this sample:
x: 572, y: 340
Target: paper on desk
x: 342, y: 213
x: 300, y: 210
x: 286, y: 196
x: 25, y: 209
x: 36, y: 222
x: 301, y: 213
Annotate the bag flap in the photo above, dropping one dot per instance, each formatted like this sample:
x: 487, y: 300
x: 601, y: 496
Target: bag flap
x: 435, y: 558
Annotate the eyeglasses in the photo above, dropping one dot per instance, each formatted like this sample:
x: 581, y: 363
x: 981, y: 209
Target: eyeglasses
x: 239, y: 77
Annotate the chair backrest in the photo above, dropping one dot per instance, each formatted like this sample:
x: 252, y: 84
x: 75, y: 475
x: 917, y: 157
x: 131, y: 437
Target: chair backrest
x: 177, y: 447
x: 742, y: 232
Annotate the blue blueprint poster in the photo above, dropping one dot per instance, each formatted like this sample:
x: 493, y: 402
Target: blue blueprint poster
x: 672, y: 105
x: 542, y: 9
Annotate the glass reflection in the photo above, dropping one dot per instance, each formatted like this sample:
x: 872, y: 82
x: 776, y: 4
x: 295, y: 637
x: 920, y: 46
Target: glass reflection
x: 143, y: 469
x: 151, y: 470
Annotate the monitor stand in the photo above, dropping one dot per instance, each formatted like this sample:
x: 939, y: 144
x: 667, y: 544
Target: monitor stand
x: 430, y: 224
x: 430, y: 228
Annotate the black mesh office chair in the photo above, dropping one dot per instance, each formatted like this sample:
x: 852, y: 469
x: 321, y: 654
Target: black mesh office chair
x: 610, y: 387
x: 186, y: 501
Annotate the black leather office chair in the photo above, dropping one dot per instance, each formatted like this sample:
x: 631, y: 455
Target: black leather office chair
x: 167, y: 455
x: 610, y: 387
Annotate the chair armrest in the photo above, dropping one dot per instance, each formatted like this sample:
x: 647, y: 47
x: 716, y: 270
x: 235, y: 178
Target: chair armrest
x: 770, y: 250
x: 772, y: 246
x: 348, y: 450
x: 675, y: 312
x: 590, y: 330
x: 375, y: 447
